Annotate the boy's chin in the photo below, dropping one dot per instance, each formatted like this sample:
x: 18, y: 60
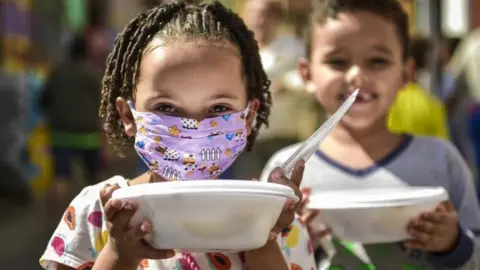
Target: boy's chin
x: 363, y: 126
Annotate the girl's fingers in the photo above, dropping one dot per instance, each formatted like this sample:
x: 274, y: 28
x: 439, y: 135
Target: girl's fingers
x: 308, y: 216
x: 277, y: 176
x: 149, y: 252
x: 121, y: 221
x: 106, y: 192
x: 297, y: 174
x: 111, y: 208
x: 140, y: 231
x: 321, y: 233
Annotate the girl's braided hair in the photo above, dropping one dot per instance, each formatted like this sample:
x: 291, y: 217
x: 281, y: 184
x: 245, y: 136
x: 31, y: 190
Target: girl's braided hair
x: 174, y: 21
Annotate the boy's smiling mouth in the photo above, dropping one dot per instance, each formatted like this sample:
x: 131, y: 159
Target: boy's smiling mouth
x: 363, y: 96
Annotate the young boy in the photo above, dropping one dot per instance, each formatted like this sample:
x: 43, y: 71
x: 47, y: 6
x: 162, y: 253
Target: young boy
x: 364, y: 44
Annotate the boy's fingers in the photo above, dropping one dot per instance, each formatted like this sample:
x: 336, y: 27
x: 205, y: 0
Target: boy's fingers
x: 419, y: 236
x: 414, y: 244
x: 302, y: 205
x: 306, y: 191
x: 449, y: 207
x: 433, y: 217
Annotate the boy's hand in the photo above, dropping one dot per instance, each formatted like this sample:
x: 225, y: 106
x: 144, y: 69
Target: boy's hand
x: 435, y: 231
x: 125, y: 241
x: 307, y: 217
x: 288, y: 212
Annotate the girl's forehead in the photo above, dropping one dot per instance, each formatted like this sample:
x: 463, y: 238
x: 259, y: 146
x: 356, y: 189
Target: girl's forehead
x: 160, y: 56
x: 191, y: 67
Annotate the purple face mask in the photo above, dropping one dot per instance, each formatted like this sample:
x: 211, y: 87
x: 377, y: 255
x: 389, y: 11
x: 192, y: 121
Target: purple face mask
x: 185, y: 149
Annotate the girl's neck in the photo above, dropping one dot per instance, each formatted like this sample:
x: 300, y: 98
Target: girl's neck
x: 146, y: 178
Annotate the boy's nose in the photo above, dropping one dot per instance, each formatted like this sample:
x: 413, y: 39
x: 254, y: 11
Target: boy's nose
x: 355, y: 77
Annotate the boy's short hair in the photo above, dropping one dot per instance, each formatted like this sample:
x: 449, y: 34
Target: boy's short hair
x: 419, y: 49
x: 388, y: 9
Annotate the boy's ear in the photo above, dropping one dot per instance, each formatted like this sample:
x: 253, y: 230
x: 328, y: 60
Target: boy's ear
x: 409, y: 71
x: 305, y: 73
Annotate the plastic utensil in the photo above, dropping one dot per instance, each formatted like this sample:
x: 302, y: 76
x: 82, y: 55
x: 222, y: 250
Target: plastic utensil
x: 306, y: 150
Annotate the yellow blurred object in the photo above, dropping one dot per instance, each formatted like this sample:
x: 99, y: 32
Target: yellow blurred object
x: 38, y: 151
x: 417, y: 112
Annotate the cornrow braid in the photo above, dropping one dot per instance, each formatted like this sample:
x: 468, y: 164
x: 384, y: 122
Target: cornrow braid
x: 207, y: 21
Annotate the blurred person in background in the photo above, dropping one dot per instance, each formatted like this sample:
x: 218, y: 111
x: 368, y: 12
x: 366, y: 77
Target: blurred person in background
x: 464, y: 98
x: 70, y: 100
x: 416, y: 111
x: 289, y: 122
x: 447, y: 49
x: 13, y: 182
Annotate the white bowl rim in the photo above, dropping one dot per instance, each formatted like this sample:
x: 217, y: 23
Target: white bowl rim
x: 205, y: 187
x: 376, y: 197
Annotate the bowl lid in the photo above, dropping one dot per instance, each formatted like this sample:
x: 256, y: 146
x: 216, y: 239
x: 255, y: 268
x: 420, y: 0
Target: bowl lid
x: 205, y: 187
x: 376, y: 197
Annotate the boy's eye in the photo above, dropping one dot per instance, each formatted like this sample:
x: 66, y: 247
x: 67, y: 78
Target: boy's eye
x: 219, y: 109
x: 165, y: 108
x: 338, y: 63
x: 378, y: 62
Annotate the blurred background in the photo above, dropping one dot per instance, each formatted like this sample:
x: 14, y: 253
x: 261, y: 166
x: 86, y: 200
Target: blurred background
x: 53, y: 51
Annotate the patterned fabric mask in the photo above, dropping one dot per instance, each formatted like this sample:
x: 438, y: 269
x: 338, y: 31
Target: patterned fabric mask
x: 186, y: 149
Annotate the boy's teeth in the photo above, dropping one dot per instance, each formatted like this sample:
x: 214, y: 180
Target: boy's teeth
x: 366, y: 96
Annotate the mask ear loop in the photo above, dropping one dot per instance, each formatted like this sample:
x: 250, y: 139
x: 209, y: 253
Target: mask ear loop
x: 247, y: 111
x: 130, y: 105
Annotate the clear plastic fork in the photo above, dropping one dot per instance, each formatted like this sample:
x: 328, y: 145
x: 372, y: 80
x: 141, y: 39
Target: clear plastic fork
x: 306, y: 150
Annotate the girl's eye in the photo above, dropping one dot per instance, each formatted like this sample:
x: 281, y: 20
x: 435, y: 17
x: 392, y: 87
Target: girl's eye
x: 219, y: 109
x: 165, y: 108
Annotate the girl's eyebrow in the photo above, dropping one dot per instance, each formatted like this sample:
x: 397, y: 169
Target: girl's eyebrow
x: 154, y: 97
x: 224, y: 94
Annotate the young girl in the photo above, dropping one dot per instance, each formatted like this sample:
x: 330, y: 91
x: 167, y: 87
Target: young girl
x: 181, y: 78
x: 364, y: 44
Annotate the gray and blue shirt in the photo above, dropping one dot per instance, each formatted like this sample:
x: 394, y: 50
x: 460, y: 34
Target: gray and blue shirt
x: 418, y: 161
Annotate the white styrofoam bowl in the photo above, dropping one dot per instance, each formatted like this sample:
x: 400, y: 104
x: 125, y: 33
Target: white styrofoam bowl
x: 374, y: 215
x: 206, y: 215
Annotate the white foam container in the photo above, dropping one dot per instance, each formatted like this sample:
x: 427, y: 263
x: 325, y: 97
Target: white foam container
x: 208, y: 215
x: 374, y: 215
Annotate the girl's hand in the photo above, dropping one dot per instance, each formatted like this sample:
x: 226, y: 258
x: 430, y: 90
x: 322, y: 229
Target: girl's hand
x: 307, y: 217
x: 126, y: 242
x: 435, y: 231
x: 288, y: 213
